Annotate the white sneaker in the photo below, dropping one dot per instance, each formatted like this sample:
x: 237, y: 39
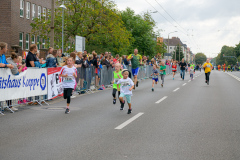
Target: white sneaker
x: 73, y: 96
x: 12, y: 108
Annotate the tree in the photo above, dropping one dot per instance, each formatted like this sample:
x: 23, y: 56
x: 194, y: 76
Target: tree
x: 98, y: 22
x: 228, y: 51
x: 200, y: 58
x: 141, y: 29
x: 177, y: 52
x: 237, y: 50
x: 161, y: 47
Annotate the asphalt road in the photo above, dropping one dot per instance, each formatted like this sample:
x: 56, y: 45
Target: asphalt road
x: 184, y: 120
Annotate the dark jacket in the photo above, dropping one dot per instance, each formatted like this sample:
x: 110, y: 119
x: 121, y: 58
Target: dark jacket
x: 51, y: 61
x: 95, y: 63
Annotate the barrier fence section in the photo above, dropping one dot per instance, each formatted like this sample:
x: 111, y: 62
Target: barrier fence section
x: 36, y: 86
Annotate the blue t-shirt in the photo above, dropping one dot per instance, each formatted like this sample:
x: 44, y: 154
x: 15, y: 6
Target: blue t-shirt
x: 155, y: 71
x: 3, y: 59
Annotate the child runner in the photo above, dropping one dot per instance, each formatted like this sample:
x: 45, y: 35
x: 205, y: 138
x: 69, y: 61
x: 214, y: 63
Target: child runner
x: 155, y: 76
x: 162, y: 72
x: 126, y: 90
x: 174, y: 69
x: 191, y: 71
x: 116, y: 76
x: 69, y: 74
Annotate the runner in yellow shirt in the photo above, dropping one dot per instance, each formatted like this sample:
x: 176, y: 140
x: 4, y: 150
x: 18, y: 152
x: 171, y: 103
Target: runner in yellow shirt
x: 208, y: 68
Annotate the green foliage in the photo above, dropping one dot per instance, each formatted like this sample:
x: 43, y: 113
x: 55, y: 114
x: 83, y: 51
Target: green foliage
x: 177, y: 52
x: 200, y: 58
x: 226, y: 51
x: 141, y: 29
x: 237, y: 49
x: 161, y: 47
x: 97, y: 21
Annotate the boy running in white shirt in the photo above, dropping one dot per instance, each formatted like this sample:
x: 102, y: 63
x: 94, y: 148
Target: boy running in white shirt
x: 126, y: 90
x: 155, y: 76
x: 69, y: 74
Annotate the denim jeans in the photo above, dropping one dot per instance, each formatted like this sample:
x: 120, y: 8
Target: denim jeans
x: 182, y: 73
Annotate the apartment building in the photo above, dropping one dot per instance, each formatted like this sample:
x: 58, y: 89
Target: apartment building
x: 16, y: 17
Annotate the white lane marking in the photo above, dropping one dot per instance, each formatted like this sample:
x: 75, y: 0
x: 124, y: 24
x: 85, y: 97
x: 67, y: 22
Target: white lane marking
x: 184, y: 84
x: 176, y: 89
x: 121, y: 126
x: 161, y: 100
x: 189, y: 81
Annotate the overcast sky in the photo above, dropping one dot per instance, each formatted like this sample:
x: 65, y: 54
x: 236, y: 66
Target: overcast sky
x: 204, y: 25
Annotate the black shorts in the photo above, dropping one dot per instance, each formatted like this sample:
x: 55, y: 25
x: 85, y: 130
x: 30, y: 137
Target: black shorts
x: 174, y: 71
x: 67, y: 92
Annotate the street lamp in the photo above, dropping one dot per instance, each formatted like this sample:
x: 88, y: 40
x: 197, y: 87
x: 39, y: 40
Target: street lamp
x: 168, y: 39
x: 63, y: 7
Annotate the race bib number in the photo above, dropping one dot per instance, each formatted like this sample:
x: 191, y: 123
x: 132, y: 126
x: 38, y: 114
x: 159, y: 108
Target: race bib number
x: 125, y: 84
x: 161, y: 72
x: 116, y: 80
x: 68, y: 79
x: 208, y: 66
x: 154, y: 76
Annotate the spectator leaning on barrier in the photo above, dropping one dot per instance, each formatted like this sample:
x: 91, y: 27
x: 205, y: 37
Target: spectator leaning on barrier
x: 13, y: 60
x: 31, y: 57
x: 51, y: 60
x: 3, y: 62
x: 50, y: 51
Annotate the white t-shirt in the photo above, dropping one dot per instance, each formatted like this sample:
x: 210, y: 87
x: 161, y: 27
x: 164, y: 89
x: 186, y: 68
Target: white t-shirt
x: 125, y: 85
x: 68, y: 82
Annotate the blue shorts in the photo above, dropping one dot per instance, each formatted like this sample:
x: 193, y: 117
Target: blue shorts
x: 135, y: 71
x: 128, y: 97
x: 155, y: 79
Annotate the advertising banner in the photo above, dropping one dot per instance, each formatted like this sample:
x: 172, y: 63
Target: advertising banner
x: 31, y: 82
x: 54, y: 83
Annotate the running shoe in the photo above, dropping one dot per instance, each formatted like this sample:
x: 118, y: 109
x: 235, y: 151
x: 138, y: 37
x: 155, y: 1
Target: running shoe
x: 122, y: 105
x: 73, y: 96
x: 152, y: 89
x: 129, y: 111
x: 67, y: 111
x: 137, y: 84
x: 207, y: 82
x: 162, y: 85
x: 114, y: 101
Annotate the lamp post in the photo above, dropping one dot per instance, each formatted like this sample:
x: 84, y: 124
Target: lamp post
x: 168, y: 42
x: 63, y: 7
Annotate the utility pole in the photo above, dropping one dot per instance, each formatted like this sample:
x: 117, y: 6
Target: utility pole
x: 52, y: 26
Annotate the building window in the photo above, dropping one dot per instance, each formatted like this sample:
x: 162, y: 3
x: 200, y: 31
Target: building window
x: 38, y: 42
x: 39, y: 12
x: 21, y: 40
x: 44, y: 13
x: 21, y: 8
x: 170, y: 47
x: 33, y: 39
x: 27, y: 42
x: 43, y: 43
x: 28, y: 10
x: 33, y: 11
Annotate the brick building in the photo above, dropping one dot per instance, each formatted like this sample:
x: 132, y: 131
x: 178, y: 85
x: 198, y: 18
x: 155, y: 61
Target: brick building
x: 15, y: 19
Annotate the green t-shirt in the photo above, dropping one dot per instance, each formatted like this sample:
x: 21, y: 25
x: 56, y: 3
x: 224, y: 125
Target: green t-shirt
x: 162, y: 68
x: 135, y: 60
x: 192, y: 65
x: 116, y: 78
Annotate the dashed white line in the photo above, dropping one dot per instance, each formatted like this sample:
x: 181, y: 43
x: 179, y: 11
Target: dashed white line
x: 176, y: 89
x: 121, y: 126
x: 184, y: 84
x: 189, y: 81
x: 161, y: 100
